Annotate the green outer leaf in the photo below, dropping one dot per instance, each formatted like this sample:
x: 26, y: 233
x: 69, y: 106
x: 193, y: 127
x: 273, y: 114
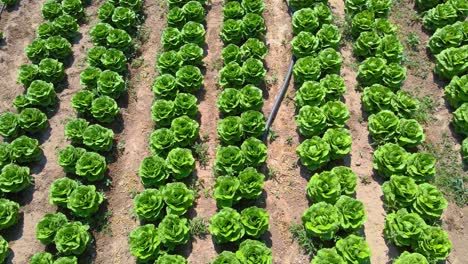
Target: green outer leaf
x: 98, y: 138
x: 384, y: 127
x: 161, y: 141
x: 153, y: 171
x: 104, y: 109
x: 253, y: 123
x: 60, y: 190
x: 314, y: 153
x: 230, y: 129
x: 226, y: 257
x: 390, y: 159
x: 348, y: 179
x: 255, y: 152
x: 84, y: 201
x: 336, y: 112
x: 229, y: 161
x: 68, y: 157
x: 404, y: 228
x: 251, y: 183
x: 324, y: 187
x: 306, y: 20
x: 226, y: 191
x: 74, y: 129
x: 178, y: 198
x: 430, y: 202
x: 9, y: 124
x: 327, y: 256
x: 460, y: 119
x: 14, y: 178
x: 310, y: 93
x: 255, y: 221
x: 171, y: 259
x: 434, y: 243
x: 41, y: 258
x: 340, y: 142
x: 9, y: 213
x: 410, y: 258
x: 48, y: 226
x: 82, y: 101
x: 399, y: 192
x: 180, y: 162
x: 321, y: 220
x: 145, y: 242
x: 4, y: 249
x: 185, y: 131
x: 91, y: 166
x: 226, y: 226
x: 72, y: 238
x: 306, y: 69
x: 352, y: 213
x: 311, y: 121
x: 253, y: 251
x: 174, y: 231
x: 354, y: 249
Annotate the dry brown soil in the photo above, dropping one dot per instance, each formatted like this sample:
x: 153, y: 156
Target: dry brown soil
x: 285, y: 189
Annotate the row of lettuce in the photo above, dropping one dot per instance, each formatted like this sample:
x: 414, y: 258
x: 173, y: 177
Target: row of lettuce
x: 447, y: 23
x: 335, y: 219
x: 413, y: 206
x: 83, y: 161
x: 163, y: 206
x: 50, y: 53
x: 240, y: 155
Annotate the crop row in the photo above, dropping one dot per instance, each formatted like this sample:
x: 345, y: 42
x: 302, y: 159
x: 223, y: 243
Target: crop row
x: 413, y: 206
x: 50, y: 53
x: 334, y: 216
x: 84, y: 161
x: 447, y: 21
x: 163, y: 206
x: 239, y: 183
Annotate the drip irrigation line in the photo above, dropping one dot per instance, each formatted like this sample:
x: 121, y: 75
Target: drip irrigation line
x: 1, y: 11
x: 282, y: 92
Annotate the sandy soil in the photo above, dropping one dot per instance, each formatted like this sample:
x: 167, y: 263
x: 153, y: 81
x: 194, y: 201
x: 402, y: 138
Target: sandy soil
x: 205, y: 205
x: 285, y: 189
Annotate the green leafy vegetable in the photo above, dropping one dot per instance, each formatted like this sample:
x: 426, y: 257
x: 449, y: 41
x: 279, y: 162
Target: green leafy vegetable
x: 84, y: 201
x: 174, y: 231
x: 91, y: 166
x: 321, y: 220
x: 9, y: 213
x: 178, y: 198
x: 253, y: 251
x: 314, y: 153
x: 98, y: 138
x: 324, y: 187
x: 145, y: 242
x: 48, y: 226
x: 72, y: 238
x: 354, y: 249
x: 226, y: 226
x: 60, y: 190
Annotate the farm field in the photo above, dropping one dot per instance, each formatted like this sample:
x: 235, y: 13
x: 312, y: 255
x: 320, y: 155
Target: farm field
x: 146, y: 197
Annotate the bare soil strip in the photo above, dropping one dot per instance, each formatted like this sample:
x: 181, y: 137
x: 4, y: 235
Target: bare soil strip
x: 203, y: 250
x: 112, y: 243
x: 285, y: 189
x: 18, y: 27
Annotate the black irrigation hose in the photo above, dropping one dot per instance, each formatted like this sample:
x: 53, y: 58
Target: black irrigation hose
x: 1, y: 10
x: 282, y: 92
